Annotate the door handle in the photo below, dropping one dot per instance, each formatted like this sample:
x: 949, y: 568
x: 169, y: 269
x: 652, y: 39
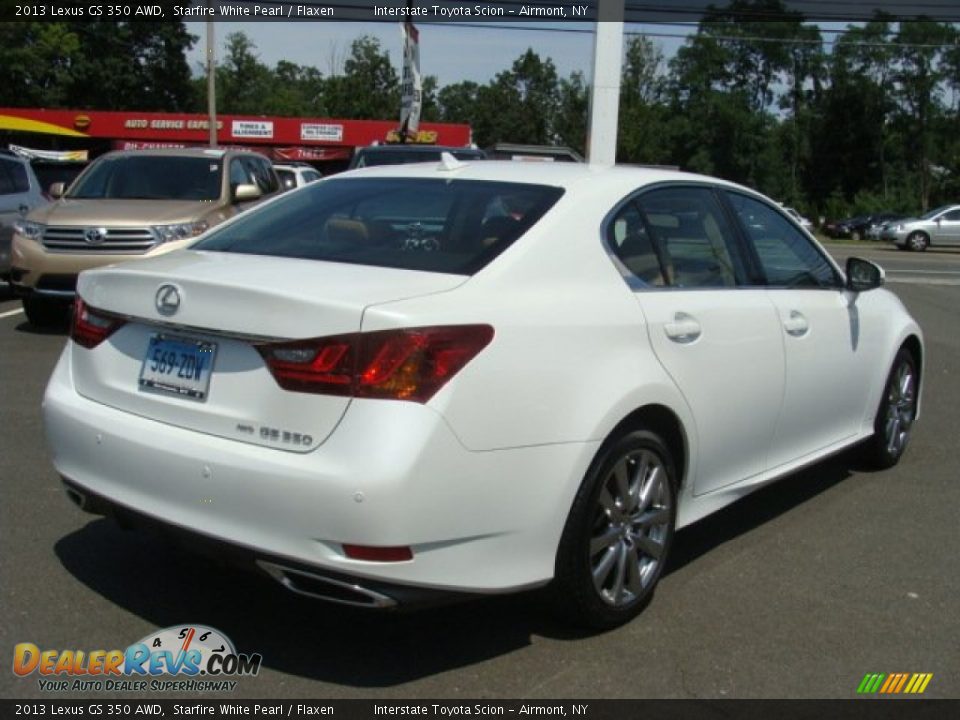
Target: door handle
x: 684, y: 328
x: 796, y: 325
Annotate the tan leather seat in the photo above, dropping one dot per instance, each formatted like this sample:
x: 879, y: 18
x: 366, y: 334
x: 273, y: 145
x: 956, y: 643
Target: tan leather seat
x: 346, y: 230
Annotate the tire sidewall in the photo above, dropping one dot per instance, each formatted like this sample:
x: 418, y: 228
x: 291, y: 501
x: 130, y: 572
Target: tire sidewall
x: 882, y: 457
x: 918, y: 242
x: 574, y: 581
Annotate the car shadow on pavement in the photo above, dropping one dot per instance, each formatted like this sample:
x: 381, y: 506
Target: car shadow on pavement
x: 167, y: 584
x: 761, y: 507
x: 30, y: 329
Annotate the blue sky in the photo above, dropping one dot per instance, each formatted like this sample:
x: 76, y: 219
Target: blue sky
x: 450, y: 52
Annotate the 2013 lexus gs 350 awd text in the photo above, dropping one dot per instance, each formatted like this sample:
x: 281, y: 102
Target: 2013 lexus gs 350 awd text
x: 476, y: 378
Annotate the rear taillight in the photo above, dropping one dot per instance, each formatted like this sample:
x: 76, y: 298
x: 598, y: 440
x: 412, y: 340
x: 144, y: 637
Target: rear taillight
x: 408, y: 364
x: 378, y: 554
x: 91, y: 327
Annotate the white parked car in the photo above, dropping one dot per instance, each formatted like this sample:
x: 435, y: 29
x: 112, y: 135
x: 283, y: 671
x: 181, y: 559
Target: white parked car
x: 476, y: 378
x: 294, y: 175
x: 804, y: 223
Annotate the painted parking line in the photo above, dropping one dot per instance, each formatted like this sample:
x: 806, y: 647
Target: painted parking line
x: 914, y: 280
x: 11, y: 313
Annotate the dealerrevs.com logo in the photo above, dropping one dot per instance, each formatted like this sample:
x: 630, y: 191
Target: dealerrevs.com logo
x: 182, y: 658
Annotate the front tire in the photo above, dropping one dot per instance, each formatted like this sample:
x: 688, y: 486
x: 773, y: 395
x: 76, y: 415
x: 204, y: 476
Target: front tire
x: 895, y: 416
x: 619, y: 532
x: 918, y: 242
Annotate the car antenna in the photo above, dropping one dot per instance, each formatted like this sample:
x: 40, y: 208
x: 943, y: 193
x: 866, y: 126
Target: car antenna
x: 448, y: 162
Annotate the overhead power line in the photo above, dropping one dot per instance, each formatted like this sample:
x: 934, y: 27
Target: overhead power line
x: 680, y: 36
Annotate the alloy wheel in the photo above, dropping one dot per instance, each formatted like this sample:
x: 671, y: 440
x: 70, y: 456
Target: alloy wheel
x: 631, y: 527
x: 901, y: 409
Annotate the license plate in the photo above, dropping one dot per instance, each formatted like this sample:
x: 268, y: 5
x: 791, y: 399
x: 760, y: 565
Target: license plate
x: 178, y: 365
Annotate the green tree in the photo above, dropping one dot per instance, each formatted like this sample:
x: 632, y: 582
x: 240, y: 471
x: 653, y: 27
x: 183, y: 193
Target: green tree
x: 37, y: 59
x: 243, y: 82
x: 130, y: 65
x: 520, y: 104
x: 573, y: 105
x: 918, y: 89
x: 458, y: 102
x: 369, y: 88
x: 644, y: 135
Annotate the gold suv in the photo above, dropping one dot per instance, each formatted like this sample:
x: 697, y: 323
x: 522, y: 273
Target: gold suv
x: 128, y: 205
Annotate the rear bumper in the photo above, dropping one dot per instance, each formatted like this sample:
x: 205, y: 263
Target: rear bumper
x: 392, y: 474
x: 296, y: 577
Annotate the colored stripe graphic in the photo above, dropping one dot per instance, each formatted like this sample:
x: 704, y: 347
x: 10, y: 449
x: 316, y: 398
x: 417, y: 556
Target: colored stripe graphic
x: 894, y: 683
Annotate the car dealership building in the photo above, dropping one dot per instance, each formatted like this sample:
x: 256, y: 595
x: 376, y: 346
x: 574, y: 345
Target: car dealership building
x: 325, y: 143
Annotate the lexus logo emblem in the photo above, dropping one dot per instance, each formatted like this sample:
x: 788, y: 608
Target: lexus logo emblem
x: 167, y: 300
x: 94, y: 236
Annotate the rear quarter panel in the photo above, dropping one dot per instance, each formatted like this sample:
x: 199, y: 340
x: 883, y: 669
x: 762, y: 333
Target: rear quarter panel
x: 570, y: 357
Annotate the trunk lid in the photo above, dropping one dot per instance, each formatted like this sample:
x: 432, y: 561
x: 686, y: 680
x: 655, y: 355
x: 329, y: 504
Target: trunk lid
x: 228, y: 303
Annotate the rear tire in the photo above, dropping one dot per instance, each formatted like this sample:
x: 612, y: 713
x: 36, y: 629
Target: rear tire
x: 619, y: 532
x: 44, y: 312
x: 895, y: 416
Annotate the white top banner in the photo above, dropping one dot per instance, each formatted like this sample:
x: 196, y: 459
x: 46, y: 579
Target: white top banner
x: 411, y: 100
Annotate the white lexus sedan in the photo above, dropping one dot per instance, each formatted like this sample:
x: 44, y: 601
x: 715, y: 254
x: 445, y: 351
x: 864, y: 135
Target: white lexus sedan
x: 412, y: 382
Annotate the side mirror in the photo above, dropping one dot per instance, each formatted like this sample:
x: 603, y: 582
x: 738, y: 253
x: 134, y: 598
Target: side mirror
x: 56, y: 190
x: 863, y: 275
x: 246, y: 192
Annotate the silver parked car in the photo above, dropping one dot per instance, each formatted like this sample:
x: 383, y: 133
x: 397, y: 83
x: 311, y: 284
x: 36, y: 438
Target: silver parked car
x: 937, y: 227
x: 19, y: 194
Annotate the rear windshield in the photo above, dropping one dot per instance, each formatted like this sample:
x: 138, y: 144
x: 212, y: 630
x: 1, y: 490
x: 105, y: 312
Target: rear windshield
x: 443, y: 226
x: 151, y: 177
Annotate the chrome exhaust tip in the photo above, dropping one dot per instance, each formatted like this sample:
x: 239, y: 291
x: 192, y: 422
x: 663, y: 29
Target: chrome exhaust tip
x: 76, y: 497
x: 326, y: 588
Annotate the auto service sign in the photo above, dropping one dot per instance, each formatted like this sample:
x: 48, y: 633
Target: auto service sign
x: 252, y: 129
x: 324, y: 132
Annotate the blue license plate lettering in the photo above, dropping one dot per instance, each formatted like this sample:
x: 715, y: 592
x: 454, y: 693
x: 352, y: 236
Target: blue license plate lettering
x: 180, y: 366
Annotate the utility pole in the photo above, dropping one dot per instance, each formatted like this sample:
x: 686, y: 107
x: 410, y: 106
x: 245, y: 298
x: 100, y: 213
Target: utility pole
x: 211, y: 81
x: 605, y: 90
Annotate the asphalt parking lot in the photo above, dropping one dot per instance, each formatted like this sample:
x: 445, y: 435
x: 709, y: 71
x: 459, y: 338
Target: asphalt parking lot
x: 797, y: 591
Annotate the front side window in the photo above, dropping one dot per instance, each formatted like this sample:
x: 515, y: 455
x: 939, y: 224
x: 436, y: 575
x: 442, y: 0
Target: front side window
x: 416, y: 224
x: 261, y: 172
x: 952, y: 216
x: 150, y: 177
x: 787, y: 256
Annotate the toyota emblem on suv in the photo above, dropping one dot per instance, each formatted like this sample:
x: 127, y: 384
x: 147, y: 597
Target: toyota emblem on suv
x: 167, y: 300
x: 94, y: 235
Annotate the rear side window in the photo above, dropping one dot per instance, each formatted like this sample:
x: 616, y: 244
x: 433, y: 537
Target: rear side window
x: 445, y: 225
x: 13, y: 178
x: 6, y: 179
x: 694, y: 243
x: 18, y: 176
